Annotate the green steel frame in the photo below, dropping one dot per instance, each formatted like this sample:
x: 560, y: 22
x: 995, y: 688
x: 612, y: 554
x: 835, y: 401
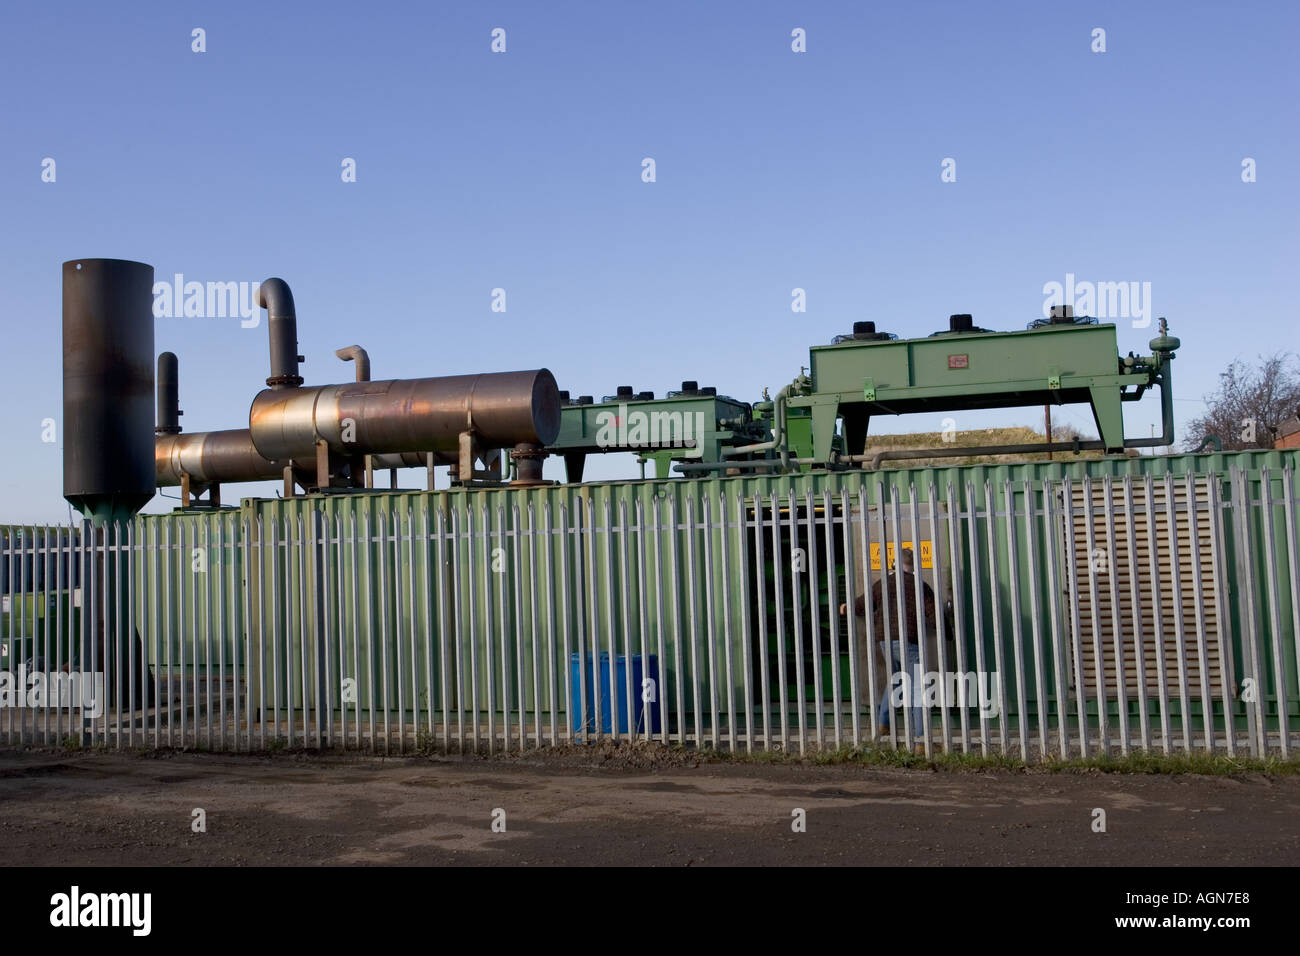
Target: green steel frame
x: 681, y: 427
x: 1054, y: 364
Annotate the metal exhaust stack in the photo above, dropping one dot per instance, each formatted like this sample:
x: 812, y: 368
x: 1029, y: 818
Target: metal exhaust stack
x: 350, y: 353
x: 201, y: 461
x: 282, y: 326
x: 108, y: 438
x: 108, y: 393
x: 169, y: 395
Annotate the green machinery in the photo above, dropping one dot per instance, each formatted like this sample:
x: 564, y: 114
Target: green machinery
x: 1058, y: 361
x: 821, y: 419
x: 692, y: 424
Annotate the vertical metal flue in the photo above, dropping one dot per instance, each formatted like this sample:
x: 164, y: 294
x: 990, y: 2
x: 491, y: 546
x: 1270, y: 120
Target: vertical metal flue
x: 108, y: 393
x: 169, y: 395
x: 282, y: 325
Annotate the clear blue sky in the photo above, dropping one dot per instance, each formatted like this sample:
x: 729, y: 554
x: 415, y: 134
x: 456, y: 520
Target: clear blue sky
x: 522, y: 171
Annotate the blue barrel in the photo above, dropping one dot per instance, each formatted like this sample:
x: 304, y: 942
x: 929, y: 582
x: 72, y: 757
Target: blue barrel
x: 583, y: 714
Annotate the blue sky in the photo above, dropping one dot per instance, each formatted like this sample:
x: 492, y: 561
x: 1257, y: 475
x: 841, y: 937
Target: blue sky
x: 522, y: 171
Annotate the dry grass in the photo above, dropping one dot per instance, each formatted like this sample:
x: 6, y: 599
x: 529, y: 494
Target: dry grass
x: 1018, y: 435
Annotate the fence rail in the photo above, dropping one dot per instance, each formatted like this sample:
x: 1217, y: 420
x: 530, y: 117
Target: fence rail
x: 1061, y: 617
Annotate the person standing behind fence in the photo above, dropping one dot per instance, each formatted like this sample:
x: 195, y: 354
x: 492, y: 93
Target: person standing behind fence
x: 906, y: 653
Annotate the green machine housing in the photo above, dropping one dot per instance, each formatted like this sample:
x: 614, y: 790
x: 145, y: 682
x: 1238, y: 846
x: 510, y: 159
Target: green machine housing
x: 822, y: 417
x: 692, y: 424
x: 1057, y: 361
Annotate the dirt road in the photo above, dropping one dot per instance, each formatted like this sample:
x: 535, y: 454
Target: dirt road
x: 603, y: 808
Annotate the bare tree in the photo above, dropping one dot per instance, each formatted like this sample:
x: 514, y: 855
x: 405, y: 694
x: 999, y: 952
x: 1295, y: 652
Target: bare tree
x: 1250, y: 402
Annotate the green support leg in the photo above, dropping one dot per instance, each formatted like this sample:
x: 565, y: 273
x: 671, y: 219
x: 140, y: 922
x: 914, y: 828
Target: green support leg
x: 855, y: 432
x: 573, y: 465
x: 823, y: 422
x: 1107, y: 411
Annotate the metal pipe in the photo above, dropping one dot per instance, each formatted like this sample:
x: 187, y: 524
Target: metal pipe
x: 408, y: 459
x: 1163, y: 347
x: 903, y: 454
x: 687, y: 467
x: 362, y: 358
x: 1214, y: 440
x: 778, y: 428
x: 358, y: 354
x: 169, y: 403
x: 899, y: 454
x: 211, y: 458
x: 778, y: 432
x: 528, y: 460
x: 500, y: 409
x: 282, y: 327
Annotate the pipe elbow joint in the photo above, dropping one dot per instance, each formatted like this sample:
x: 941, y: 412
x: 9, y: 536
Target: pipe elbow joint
x: 275, y: 296
x: 355, y: 353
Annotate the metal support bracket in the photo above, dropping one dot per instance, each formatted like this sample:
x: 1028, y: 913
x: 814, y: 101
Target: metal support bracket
x: 465, y: 460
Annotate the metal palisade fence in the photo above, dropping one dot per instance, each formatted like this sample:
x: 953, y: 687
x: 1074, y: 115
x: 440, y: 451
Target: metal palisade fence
x: 1055, y: 616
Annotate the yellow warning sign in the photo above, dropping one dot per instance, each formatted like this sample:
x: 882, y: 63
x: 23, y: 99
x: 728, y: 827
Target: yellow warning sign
x: 927, y: 554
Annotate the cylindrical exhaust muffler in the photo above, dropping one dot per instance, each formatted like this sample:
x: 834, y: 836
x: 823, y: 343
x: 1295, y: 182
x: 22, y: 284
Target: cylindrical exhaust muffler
x: 501, y: 409
x: 211, y: 458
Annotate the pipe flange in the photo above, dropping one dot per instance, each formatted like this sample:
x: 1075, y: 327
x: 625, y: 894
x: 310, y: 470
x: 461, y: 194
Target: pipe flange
x: 528, y: 452
x: 528, y: 460
x: 292, y: 381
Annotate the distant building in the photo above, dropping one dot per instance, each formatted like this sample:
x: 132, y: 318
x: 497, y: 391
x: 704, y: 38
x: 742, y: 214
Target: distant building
x: 1288, y: 433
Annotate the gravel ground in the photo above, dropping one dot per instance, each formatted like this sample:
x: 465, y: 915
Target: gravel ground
x: 601, y: 806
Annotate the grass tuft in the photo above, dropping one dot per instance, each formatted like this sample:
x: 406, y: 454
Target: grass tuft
x: 1136, y: 762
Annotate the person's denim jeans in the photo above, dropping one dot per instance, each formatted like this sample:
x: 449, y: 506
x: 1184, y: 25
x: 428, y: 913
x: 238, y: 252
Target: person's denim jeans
x: 907, y: 657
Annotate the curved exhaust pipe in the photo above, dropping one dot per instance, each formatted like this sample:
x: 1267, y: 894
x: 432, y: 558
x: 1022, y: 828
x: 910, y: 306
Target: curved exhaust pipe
x: 282, y: 326
x: 355, y: 353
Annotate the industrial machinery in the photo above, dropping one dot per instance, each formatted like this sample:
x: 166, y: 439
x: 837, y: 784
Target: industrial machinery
x: 332, y: 437
x: 690, y: 424
x: 822, y: 417
x: 498, y: 427
x: 1061, y: 361
x: 328, y: 437
x: 321, y: 437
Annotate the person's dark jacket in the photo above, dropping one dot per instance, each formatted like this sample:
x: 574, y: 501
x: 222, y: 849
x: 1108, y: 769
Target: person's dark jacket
x: 908, y: 623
